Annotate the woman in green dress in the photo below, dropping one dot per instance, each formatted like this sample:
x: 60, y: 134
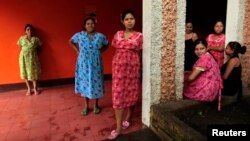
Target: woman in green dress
x: 29, y: 62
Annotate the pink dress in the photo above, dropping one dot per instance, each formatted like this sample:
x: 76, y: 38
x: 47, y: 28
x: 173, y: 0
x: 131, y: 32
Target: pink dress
x: 207, y: 86
x: 126, y: 68
x: 216, y: 41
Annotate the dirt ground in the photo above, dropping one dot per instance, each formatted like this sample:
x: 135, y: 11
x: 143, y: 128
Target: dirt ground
x: 200, y: 116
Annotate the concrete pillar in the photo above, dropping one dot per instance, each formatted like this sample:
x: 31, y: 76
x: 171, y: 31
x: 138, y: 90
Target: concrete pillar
x: 234, y: 20
x: 163, y: 52
x: 237, y: 29
x: 152, y: 43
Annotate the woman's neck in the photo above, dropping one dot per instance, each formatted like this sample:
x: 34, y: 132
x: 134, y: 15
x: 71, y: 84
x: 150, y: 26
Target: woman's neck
x: 217, y: 34
x: 91, y: 33
x: 29, y: 36
x: 129, y: 30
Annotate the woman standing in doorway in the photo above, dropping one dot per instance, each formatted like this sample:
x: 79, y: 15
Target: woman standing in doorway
x: 89, y: 68
x: 216, y: 43
x: 29, y: 62
x: 126, y: 68
x: 190, y: 56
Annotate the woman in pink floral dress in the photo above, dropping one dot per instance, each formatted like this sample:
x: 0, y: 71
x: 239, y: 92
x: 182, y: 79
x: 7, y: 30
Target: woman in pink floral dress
x: 216, y: 43
x: 204, y: 83
x: 126, y: 68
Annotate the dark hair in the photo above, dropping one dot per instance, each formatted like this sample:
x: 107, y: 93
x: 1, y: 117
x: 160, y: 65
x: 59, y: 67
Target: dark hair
x: 92, y: 14
x: 218, y: 21
x: 189, y: 22
x: 237, y: 48
x: 124, y: 13
x: 200, y: 41
x: 28, y: 25
x: 89, y: 18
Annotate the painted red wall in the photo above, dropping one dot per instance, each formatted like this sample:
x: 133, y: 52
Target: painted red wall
x: 56, y: 22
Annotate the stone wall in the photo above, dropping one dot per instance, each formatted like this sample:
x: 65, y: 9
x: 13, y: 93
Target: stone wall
x: 246, y: 39
x: 168, y: 50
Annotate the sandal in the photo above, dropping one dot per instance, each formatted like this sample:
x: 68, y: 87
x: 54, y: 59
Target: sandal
x: 113, y: 135
x: 97, y: 110
x: 85, y: 111
x: 125, y: 124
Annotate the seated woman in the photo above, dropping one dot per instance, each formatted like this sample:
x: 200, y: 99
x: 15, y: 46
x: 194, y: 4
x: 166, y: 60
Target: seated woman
x: 231, y: 70
x: 204, y: 83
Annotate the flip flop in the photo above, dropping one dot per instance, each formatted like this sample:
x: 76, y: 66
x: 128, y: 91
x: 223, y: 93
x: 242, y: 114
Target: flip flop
x: 125, y: 124
x: 97, y: 110
x: 113, y: 135
x: 85, y: 111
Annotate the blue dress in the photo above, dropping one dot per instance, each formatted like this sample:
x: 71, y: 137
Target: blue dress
x: 89, y: 69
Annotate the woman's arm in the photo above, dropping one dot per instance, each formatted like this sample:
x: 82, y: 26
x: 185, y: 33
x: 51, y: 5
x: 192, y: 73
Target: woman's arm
x: 219, y: 48
x: 194, y: 37
x: 195, y: 72
x: 73, y: 45
x: 230, y: 66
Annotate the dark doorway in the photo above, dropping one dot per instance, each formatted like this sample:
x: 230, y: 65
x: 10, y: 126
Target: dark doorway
x: 204, y: 14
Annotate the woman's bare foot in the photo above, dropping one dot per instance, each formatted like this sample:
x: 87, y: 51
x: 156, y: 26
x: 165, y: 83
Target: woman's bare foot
x: 36, y: 92
x: 28, y: 92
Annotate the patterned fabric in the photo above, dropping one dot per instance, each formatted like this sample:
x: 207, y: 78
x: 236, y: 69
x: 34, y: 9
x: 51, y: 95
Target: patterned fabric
x: 207, y: 86
x: 89, y: 69
x: 216, y: 41
x: 126, y: 67
x: 28, y: 59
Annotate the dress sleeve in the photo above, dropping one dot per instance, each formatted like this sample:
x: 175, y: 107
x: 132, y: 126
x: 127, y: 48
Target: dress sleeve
x: 19, y: 41
x: 39, y: 42
x: 202, y: 63
x: 208, y: 38
x: 105, y: 40
x: 140, y: 40
x: 114, y: 42
x: 75, y: 38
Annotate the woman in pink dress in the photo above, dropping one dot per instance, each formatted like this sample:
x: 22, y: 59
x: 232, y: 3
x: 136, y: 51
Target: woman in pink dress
x: 126, y: 72
x: 216, y: 43
x: 204, y: 83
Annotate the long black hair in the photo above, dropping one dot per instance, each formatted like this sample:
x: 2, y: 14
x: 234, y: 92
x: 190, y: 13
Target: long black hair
x: 237, y: 48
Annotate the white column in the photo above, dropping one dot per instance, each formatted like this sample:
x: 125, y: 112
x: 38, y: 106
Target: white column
x: 152, y: 43
x: 235, y: 20
x: 180, y: 45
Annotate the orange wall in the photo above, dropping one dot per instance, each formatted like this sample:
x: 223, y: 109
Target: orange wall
x: 56, y: 22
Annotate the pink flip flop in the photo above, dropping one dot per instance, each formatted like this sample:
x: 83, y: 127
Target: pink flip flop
x: 125, y: 124
x: 113, y: 135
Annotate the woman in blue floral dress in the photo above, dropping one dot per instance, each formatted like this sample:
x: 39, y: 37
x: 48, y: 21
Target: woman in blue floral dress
x: 89, y: 69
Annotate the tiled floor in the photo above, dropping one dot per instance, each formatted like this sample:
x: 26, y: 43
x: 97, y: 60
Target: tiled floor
x: 54, y: 115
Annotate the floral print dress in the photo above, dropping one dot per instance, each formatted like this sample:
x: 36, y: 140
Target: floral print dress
x: 207, y: 86
x: 89, y: 68
x: 28, y: 59
x: 216, y: 41
x: 126, y: 69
